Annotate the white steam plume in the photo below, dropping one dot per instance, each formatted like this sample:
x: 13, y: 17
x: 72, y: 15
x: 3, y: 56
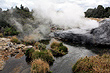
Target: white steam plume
x: 46, y: 12
x: 65, y: 14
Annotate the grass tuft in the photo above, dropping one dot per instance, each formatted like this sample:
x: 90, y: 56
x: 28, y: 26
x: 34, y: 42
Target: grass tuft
x: 94, y: 64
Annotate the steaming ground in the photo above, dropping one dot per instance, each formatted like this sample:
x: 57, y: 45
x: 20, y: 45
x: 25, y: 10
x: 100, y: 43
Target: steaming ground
x: 64, y: 15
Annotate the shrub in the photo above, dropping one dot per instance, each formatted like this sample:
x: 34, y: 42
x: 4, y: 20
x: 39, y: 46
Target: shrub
x: 14, y: 39
x: 44, y: 55
x: 39, y: 66
x: 55, y: 44
x: 58, y: 49
x: 36, y: 44
x: 10, y: 31
x: 1, y: 35
x: 96, y: 64
x: 28, y: 42
x: 40, y: 46
x: 29, y: 52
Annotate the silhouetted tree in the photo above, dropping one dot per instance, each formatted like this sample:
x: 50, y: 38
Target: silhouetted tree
x: 98, y: 12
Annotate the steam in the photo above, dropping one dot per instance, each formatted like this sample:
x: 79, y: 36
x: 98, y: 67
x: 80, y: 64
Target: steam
x: 65, y: 15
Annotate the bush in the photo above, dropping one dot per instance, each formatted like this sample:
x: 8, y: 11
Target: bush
x: 1, y: 35
x: 40, y: 46
x: 10, y: 31
x: 44, y: 55
x: 96, y: 64
x: 28, y: 42
x: 55, y: 44
x: 29, y: 52
x: 14, y: 39
x: 39, y: 66
x: 58, y: 49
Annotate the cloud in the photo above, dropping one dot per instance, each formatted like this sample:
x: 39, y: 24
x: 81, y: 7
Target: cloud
x: 85, y: 4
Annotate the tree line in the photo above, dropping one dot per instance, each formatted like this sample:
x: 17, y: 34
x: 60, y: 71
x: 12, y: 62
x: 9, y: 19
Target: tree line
x: 99, y: 12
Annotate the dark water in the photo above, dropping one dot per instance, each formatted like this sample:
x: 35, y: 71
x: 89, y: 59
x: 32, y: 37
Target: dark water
x: 16, y: 66
x: 64, y: 64
x: 61, y: 64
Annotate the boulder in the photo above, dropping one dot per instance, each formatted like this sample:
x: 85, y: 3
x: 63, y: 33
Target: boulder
x: 96, y: 36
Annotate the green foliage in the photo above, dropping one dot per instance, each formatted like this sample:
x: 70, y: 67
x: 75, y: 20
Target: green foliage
x: 42, y: 46
x: 44, y: 55
x: 58, y: 49
x: 6, y: 29
x: 63, y: 48
x: 29, y: 52
x: 98, y: 12
x: 10, y: 31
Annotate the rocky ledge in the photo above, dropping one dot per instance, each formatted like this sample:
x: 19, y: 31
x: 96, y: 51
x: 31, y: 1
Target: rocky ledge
x: 97, y: 36
x: 9, y: 49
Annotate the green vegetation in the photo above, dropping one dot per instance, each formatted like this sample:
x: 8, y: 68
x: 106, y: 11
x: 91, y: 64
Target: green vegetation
x: 10, y: 31
x: 40, y: 46
x: 29, y: 52
x: 94, y: 64
x: 9, y: 17
x: 7, y: 29
x: 58, y: 49
x: 40, y: 52
x: 39, y: 66
x: 14, y: 39
x: 44, y: 55
x: 1, y: 35
x: 99, y: 12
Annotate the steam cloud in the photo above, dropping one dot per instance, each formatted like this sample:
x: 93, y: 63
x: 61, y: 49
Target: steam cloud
x: 65, y: 15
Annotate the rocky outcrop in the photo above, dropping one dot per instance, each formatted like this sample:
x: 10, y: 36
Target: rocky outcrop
x: 96, y: 36
x: 7, y: 49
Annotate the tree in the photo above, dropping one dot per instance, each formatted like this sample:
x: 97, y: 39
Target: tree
x: 100, y: 11
x: 22, y: 7
x: 0, y: 9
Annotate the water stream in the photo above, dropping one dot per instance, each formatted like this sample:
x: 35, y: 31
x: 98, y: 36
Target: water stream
x: 64, y: 64
x: 61, y: 64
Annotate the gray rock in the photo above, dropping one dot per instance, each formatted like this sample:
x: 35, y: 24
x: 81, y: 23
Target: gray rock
x: 26, y: 47
x: 96, y: 36
x: 2, y: 64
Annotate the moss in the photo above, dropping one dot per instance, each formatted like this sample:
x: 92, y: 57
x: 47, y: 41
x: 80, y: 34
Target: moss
x: 58, y: 49
x: 39, y: 66
x: 96, y: 64
x: 44, y: 55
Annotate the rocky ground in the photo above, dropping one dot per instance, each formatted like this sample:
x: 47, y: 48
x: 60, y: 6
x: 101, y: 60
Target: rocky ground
x: 9, y: 49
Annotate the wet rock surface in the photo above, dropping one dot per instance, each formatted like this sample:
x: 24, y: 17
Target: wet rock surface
x: 9, y: 49
x: 97, y: 36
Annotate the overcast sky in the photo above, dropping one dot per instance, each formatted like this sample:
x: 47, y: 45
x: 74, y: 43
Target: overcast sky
x: 85, y: 4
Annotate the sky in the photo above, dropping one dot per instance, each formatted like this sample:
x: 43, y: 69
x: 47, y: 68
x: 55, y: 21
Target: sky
x: 85, y: 4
